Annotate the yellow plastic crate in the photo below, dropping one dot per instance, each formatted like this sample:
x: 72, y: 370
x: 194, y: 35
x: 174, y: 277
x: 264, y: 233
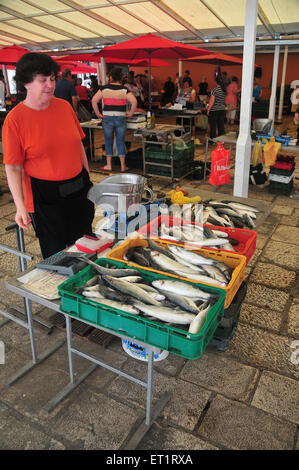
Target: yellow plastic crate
x: 233, y: 260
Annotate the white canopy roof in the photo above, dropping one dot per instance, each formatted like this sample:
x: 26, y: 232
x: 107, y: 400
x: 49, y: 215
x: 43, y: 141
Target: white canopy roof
x: 90, y: 24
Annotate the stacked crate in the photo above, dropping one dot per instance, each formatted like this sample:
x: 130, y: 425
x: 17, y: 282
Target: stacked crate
x: 281, y: 175
x: 229, y: 322
x: 182, y: 160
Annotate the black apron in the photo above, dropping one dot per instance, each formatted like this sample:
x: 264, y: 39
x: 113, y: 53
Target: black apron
x: 62, y: 212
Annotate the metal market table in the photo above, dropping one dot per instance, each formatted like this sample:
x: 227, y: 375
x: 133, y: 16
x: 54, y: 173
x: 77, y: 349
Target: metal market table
x: 151, y: 412
x: 164, y: 132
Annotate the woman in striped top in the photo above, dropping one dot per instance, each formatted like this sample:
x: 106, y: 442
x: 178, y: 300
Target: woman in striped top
x: 114, y: 98
x: 216, y: 108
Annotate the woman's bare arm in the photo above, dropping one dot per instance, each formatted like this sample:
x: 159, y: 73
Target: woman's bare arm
x: 14, y: 179
x: 94, y: 102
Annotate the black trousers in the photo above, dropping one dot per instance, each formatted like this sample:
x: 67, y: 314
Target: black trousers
x: 62, y: 212
x: 216, y: 120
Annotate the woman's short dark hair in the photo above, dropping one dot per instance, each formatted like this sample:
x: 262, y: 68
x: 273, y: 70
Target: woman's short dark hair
x: 235, y: 79
x: 219, y: 81
x: 116, y: 74
x: 187, y: 79
x: 32, y: 64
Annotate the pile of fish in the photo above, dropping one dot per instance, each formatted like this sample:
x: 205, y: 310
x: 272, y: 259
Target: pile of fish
x: 177, y: 260
x: 226, y: 214
x: 167, y: 300
x: 197, y: 235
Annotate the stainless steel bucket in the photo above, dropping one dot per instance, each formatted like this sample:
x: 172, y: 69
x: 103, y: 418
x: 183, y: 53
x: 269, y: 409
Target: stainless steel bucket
x: 119, y: 191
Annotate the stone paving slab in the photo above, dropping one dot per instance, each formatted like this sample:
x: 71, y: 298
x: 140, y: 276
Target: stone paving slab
x: 285, y: 233
x: 169, y: 438
x: 262, y: 348
x: 222, y: 374
x: 95, y: 421
x: 293, y: 320
x: 261, y: 241
x: 278, y: 395
x: 10, y: 299
x: 10, y: 265
x: 19, y: 434
x: 8, y: 209
x: 292, y: 220
x: 238, y: 426
x: 257, y: 316
x: 273, y: 276
x: 282, y: 209
x: 283, y: 254
x: 266, y: 297
x: 183, y: 408
x: 18, y: 337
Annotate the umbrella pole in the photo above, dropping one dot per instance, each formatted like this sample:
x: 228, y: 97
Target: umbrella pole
x: 150, y: 80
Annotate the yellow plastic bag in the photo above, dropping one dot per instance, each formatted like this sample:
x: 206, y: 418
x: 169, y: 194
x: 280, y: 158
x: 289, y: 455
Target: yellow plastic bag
x: 271, y: 150
x: 178, y: 198
x: 257, y: 154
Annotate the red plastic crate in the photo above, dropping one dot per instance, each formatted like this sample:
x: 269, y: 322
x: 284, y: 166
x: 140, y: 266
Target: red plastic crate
x: 245, y: 237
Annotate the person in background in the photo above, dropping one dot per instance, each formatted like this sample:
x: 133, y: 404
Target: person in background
x: 231, y: 99
x: 94, y: 86
x: 187, y: 93
x: 187, y: 75
x: 203, y: 90
x: 216, y: 107
x: 45, y: 161
x: 82, y: 93
x: 140, y: 97
x: 257, y: 91
x: 168, y: 92
x: 65, y: 89
x: 132, y: 86
x: 115, y: 97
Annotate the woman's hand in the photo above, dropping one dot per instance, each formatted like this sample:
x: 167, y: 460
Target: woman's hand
x: 22, y: 218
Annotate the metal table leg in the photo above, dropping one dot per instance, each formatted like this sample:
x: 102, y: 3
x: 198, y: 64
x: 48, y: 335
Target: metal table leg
x: 35, y: 359
x: 151, y: 414
x: 206, y: 156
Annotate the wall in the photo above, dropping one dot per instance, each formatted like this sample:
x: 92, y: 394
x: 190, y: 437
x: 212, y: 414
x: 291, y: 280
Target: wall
x: 198, y: 70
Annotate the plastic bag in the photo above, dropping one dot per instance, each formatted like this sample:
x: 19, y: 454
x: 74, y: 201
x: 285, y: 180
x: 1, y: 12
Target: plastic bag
x: 257, y: 154
x: 220, y: 166
x: 271, y: 150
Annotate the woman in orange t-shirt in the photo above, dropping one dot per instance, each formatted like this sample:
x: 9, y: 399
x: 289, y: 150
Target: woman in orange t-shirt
x: 45, y: 161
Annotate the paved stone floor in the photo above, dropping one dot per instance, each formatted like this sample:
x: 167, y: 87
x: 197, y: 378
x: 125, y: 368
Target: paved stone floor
x: 243, y: 398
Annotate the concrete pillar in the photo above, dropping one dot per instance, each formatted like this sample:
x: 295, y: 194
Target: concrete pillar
x: 272, y: 103
x: 243, y: 147
x: 180, y: 68
x: 98, y: 72
x: 103, y: 70
x: 281, y: 97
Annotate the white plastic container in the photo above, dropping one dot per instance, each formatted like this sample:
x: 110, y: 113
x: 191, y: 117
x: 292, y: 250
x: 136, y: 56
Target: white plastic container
x: 135, y: 350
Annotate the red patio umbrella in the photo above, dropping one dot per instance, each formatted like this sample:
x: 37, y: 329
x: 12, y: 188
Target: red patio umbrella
x: 11, y: 54
x: 217, y: 59
x: 76, y: 67
x: 151, y: 46
x: 145, y: 63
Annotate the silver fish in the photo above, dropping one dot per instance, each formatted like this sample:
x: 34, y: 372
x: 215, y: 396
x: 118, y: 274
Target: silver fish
x: 166, y: 314
x: 190, y: 256
x: 214, y: 273
x: 187, y: 263
x: 201, y: 278
x: 118, y: 305
x: 131, y: 289
x: 181, y: 288
x: 182, y: 301
x: 240, y: 205
x: 108, y: 271
x: 198, y: 321
x: 167, y: 263
x: 220, y: 234
x: 93, y: 294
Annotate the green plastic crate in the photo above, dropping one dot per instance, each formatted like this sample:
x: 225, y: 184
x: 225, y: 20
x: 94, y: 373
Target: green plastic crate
x: 178, y: 170
x: 155, y: 333
x: 157, y: 153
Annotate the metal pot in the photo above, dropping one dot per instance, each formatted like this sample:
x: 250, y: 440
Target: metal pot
x: 119, y: 191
